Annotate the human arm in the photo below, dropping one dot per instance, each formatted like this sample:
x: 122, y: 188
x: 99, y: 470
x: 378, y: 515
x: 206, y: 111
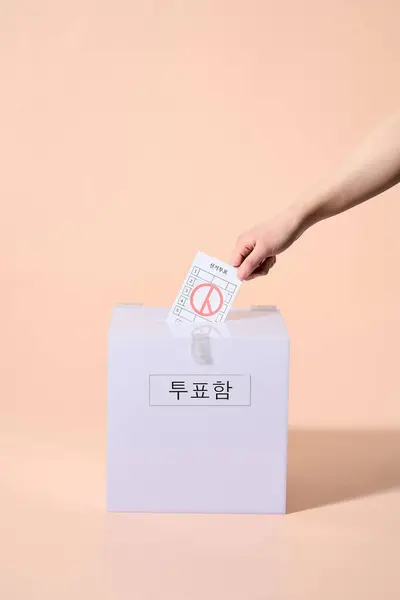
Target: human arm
x: 373, y: 168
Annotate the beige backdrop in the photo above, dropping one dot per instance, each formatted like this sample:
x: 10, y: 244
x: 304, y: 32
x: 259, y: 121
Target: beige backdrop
x: 135, y: 133
x: 132, y: 134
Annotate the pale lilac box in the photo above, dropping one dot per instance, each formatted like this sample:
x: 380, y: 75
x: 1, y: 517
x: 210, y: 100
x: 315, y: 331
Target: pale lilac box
x: 197, y: 415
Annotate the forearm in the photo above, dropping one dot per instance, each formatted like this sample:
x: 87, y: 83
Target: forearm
x: 374, y: 168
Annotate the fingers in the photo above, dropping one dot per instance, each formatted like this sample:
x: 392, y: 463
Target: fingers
x: 253, y: 261
x: 243, y: 248
x: 263, y: 269
x: 254, y: 254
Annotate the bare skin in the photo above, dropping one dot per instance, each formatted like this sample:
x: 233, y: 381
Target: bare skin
x: 371, y: 170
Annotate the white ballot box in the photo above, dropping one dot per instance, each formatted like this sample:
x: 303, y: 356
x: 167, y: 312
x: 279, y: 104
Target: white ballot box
x: 197, y: 414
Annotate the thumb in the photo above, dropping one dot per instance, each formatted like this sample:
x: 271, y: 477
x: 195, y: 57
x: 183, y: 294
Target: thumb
x: 252, y: 261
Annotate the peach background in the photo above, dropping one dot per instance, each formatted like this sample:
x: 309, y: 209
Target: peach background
x: 132, y: 134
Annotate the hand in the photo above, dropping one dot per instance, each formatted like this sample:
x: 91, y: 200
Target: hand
x: 256, y: 249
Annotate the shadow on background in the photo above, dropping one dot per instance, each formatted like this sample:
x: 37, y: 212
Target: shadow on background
x: 330, y: 466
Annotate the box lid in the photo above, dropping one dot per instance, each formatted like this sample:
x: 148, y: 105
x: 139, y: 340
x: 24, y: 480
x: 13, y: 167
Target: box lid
x: 145, y: 322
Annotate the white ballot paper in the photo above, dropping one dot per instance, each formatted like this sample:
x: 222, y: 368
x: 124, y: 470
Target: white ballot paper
x: 208, y: 292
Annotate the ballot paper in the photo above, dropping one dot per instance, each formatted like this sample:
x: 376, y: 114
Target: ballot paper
x: 207, y: 293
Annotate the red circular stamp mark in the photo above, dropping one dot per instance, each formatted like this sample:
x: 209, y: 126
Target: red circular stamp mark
x: 206, y: 300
